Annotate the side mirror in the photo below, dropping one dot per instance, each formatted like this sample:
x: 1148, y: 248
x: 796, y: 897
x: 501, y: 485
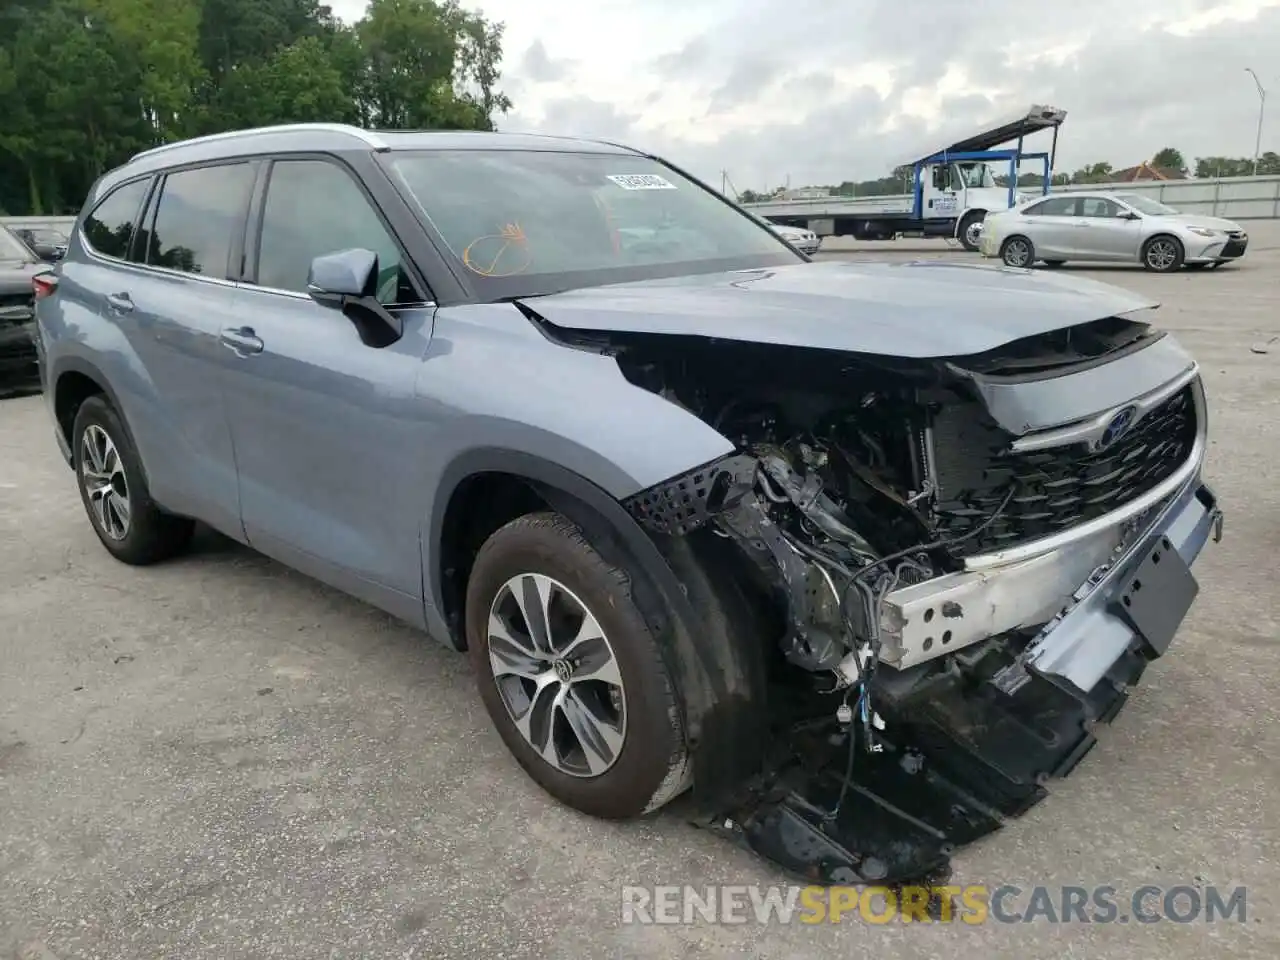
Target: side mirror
x: 1129, y: 215
x: 347, y: 273
x: 348, y: 280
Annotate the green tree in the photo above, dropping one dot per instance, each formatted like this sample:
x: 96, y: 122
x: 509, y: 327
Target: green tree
x: 1268, y: 165
x: 1093, y: 173
x: 234, y: 33
x: 87, y: 83
x: 430, y: 65
x: 1170, y: 158
x: 300, y: 83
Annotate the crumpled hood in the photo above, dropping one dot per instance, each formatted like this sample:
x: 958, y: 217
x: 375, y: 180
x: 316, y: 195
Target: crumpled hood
x: 921, y: 309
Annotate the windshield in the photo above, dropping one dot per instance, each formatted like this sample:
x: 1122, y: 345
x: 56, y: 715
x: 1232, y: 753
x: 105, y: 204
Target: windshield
x: 11, y: 248
x: 1146, y: 205
x: 524, y: 223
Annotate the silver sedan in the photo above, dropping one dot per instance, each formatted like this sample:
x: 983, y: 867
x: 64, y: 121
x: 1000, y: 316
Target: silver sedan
x: 1105, y: 226
x: 806, y: 241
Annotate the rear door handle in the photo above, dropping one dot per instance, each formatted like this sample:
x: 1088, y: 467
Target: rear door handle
x: 242, y: 340
x: 120, y: 301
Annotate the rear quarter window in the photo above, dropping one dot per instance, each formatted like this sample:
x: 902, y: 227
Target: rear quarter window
x: 109, y: 228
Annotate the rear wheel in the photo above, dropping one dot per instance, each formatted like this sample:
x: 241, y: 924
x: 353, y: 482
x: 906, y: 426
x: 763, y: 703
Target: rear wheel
x: 970, y: 232
x: 1018, y: 251
x: 570, y: 673
x: 1162, y: 254
x: 114, y: 491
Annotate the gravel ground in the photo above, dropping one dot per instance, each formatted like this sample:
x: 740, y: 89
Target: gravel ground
x: 221, y: 758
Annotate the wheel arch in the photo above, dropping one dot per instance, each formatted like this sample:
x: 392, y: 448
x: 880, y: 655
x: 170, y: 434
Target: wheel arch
x: 713, y: 650
x: 542, y: 484
x: 1164, y: 235
x: 72, y: 381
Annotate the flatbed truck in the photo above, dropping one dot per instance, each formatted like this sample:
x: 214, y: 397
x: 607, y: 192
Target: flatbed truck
x: 953, y: 188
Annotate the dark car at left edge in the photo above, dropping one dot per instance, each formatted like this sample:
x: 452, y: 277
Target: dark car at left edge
x: 19, y: 265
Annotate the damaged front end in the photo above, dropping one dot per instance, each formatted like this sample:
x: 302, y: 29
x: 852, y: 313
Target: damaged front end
x: 972, y: 562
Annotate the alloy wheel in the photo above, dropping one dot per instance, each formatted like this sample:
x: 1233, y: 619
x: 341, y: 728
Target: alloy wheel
x: 105, y: 484
x: 557, y: 675
x: 1161, y: 254
x: 1017, y: 253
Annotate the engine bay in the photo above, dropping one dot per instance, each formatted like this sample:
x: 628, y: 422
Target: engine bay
x: 833, y: 488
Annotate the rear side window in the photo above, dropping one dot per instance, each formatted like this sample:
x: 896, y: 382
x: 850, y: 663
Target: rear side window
x: 200, y: 213
x: 1053, y: 207
x: 313, y: 208
x: 109, y: 228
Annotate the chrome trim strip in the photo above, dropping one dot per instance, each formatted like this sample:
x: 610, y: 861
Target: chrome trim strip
x: 1084, y: 431
x: 369, y: 138
x: 146, y: 268
x: 248, y: 287
x: 1167, y: 487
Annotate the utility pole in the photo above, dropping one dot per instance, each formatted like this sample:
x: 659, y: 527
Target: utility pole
x: 1262, y: 106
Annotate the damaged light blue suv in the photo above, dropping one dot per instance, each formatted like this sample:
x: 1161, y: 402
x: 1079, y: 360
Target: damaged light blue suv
x: 862, y: 553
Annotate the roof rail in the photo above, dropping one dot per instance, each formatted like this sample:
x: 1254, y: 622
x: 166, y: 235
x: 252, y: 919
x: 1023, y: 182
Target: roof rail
x: 366, y: 136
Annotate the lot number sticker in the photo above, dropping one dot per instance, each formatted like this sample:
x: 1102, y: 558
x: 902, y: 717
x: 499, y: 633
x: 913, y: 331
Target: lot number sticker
x: 642, y: 181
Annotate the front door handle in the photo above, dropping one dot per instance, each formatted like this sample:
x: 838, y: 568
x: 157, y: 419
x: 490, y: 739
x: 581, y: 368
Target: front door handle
x: 242, y: 340
x: 120, y: 302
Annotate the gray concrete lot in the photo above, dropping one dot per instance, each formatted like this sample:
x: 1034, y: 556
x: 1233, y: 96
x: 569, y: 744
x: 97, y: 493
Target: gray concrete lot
x: 221, y: 758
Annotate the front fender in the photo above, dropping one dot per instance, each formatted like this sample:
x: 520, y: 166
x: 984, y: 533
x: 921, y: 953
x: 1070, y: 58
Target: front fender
x: 492, y: 381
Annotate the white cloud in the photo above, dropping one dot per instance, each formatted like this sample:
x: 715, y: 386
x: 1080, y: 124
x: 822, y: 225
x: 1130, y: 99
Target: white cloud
x: 822, y: 92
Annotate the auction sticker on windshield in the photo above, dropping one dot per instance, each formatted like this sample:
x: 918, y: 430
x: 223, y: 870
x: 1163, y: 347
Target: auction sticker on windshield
x: 642, y: 181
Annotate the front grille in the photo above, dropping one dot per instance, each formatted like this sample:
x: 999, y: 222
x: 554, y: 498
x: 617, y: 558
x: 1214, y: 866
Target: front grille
x: 1053, y: 489
x: 1234, y: 247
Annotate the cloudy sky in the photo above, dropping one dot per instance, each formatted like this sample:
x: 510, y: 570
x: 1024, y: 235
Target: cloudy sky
x: 821, y: 91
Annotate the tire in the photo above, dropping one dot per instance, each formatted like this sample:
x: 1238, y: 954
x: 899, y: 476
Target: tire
x: 644, y: 761
x: 1018, y: 251
x: 130, y: 525
x: 1162, y: 254
x: 1054, y: 264
x: 962, y: 234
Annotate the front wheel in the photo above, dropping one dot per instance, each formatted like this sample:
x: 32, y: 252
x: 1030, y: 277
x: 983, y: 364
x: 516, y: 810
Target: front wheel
x: 970, y: 231
x: 570, y: 672
x: 1017, y: 252
x: 1162, y: 254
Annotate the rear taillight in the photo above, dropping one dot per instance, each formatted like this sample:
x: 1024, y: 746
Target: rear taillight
x: 44, y: 285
